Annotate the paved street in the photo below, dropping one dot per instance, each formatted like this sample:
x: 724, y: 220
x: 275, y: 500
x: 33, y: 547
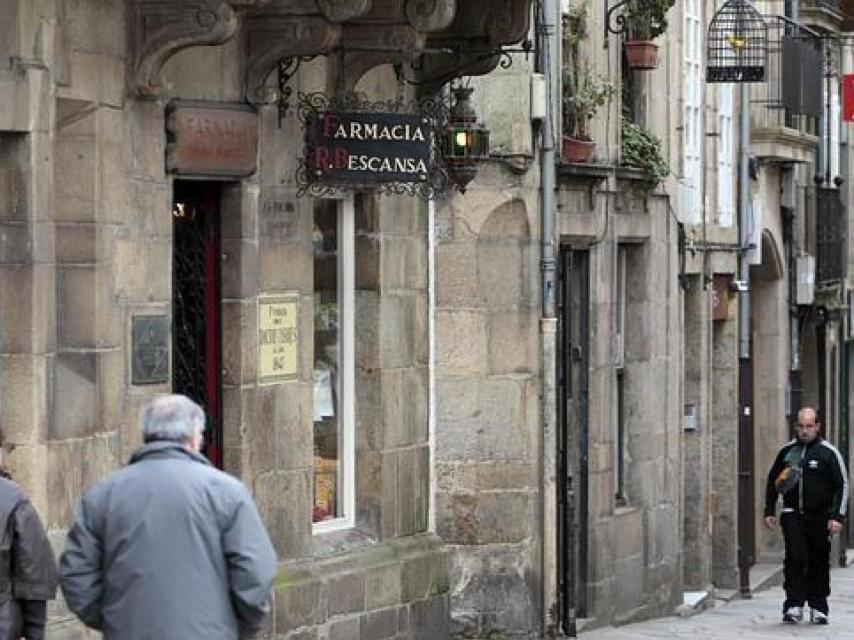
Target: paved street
x: 758, y: 617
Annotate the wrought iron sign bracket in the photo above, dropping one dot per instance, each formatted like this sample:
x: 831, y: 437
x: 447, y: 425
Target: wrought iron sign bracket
x: 618, y: 20
x: 287, y: 69
x: 469, y: 61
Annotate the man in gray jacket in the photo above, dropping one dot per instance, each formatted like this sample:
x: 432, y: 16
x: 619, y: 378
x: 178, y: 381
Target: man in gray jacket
x: 27, y: 566
x: 169, y: 548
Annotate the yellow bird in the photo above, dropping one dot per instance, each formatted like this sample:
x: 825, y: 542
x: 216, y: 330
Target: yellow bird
x: 735, y: 42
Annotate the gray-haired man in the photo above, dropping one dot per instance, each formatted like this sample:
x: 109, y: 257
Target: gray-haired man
x: 169, y: 547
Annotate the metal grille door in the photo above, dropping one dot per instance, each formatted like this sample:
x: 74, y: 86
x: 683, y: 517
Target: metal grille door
x: 196, y: 304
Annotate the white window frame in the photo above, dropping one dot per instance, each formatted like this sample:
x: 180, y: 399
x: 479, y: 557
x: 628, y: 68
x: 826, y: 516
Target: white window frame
x: 835, y: 126
x: 726, y: 157
x: 830, y: 154
x: 693, y: 98
x: 346, y: 379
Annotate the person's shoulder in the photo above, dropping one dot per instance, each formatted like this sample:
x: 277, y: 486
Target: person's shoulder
x: 103, y: 487
x: 788, y: 445
x: 221, y: 480
x: 831, y: 448
x: 11, y: 493
x: 11, y: 488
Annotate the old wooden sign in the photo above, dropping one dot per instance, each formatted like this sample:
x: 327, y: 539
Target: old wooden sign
x: 211, y: 139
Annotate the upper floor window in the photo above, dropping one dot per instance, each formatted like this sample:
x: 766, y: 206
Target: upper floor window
x: 693, y: 97
x: 726, y: 162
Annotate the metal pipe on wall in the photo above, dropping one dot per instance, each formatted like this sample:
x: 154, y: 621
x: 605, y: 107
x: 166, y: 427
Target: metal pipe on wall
x: 546, y: 26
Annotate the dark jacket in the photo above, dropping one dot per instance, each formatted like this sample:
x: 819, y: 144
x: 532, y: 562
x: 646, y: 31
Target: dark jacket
x: 822, y: 488
x: 168, y: 548
x: 27, y: 567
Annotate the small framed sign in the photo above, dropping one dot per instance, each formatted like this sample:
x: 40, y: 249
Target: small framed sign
x: 278, y: 338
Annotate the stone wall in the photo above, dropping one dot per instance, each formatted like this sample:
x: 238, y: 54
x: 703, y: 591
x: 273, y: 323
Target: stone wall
x: 487, y: 386
x: 635, y: 559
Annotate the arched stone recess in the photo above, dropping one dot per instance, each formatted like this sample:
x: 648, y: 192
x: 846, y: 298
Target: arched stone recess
x: 770, y: 353
x: 771, y: 267
x: 505, y: 266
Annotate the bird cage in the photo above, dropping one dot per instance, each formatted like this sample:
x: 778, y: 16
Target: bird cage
x: 736, y: 44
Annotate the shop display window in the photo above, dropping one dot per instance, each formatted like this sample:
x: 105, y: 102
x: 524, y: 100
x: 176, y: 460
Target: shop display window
x: 332, y: 248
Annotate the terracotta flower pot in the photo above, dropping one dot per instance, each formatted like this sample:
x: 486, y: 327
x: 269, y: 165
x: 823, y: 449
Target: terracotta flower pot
x: 575, y: 150
x: 641, y: 54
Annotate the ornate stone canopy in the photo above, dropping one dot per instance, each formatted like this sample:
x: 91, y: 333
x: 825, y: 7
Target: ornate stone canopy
x: 447, y: 37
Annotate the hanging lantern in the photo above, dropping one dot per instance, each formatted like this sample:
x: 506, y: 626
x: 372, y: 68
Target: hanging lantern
x: 466, y: 142
x: 736, y: 44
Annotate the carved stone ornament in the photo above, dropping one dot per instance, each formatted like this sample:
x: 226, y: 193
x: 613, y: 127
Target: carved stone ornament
x: 365, y: 33
x: 430, y: 15
x: 343, y: 10
x: 270, y: 38
x: 162, y: 28
x: 475, y: 36
x: 392, y: 31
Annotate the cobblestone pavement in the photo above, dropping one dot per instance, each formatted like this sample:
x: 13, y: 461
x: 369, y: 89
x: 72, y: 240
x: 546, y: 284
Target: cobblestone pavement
x: 758, y: 617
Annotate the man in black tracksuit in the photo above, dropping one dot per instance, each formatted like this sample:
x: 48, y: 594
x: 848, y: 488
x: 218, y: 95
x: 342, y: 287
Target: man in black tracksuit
x: 810, y: 474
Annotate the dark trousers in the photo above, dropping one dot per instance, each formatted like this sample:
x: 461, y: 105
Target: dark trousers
x: 806, y: 569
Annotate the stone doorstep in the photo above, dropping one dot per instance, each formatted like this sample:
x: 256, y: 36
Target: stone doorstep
x: 694, y: 602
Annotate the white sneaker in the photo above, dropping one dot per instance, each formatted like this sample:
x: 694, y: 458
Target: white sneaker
x: 817, y: 617
x: 793, y: 615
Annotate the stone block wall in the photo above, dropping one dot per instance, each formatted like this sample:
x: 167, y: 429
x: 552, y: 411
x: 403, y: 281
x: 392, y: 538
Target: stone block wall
x: 487, y: 388
x: 697, y: 451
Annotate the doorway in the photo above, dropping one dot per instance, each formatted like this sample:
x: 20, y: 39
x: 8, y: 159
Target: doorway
x: 573, y: 362
x: 196, y: 304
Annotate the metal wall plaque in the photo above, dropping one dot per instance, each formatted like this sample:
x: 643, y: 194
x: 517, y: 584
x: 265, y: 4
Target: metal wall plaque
x: 149, y: 349
x: 211, y: 139
x: 278, y: 338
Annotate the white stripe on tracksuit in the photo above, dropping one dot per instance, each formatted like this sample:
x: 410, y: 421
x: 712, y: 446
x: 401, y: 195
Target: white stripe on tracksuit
x: 843, y: 506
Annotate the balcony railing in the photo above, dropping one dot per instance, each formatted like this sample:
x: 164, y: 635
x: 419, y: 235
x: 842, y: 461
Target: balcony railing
x: 791, y: 96
x: 831, y: 235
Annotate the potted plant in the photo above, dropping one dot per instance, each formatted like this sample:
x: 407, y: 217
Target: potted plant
x: 583, y: 95
x: 584, y: 91
x: 646, y: 20
x: 642, y: 150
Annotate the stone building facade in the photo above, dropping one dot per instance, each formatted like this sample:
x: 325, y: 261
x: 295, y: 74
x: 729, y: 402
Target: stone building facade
x: 154, y: 241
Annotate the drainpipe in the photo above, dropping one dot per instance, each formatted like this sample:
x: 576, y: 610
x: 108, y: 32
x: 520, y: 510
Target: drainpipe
x: 790, y: 214
x: 745, y: 436
x: 547, y: 32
